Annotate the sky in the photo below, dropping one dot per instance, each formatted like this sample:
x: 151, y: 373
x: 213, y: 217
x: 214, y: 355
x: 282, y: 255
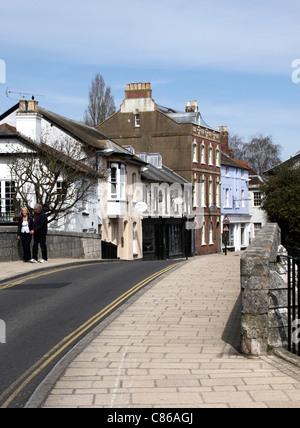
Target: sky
x: 240, y: 59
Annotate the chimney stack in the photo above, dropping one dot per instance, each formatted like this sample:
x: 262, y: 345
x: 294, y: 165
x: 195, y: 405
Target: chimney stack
x: 138, y: 98
x: 191, y: 108
x: 28, y: 120
x: 138, y: 90
x: 224, y: 139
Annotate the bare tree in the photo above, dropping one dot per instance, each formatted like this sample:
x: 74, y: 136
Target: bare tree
x: 260, y: 152
x: 101, y: 102
x: 236, y: 146
x: 60, y: 177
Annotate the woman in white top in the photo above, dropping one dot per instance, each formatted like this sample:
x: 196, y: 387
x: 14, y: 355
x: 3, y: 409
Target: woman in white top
x: 24, y: 228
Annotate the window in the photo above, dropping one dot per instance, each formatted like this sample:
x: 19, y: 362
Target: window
x: 218, y: 163
x: 243, y: 198
x: 155, y: 199
x: 257, y: 228
x: 203, y: 192
x: 137, y: 119
x: 226, y: 198
x: 211, y: 232
x: 203, y: 242
x: 8, y: 199
x: 243, y: 236
x: 257, y: 197
x: 113, y: 181
x: 227, y: 171
x: 195, y: 152
x: 122, y: 182
x: 210, y: 192
x: 203, y: 153
x: 117, y: 181
x: 61, y: 189
x: 210, y: 155
x: 175, y: 240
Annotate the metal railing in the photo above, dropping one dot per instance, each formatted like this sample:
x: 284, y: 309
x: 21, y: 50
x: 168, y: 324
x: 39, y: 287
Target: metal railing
x: 293, y: 303
x: 7, y: 212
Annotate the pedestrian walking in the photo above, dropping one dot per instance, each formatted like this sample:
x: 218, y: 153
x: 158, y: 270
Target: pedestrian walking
x: 39, y: 232
x: 25, y: 226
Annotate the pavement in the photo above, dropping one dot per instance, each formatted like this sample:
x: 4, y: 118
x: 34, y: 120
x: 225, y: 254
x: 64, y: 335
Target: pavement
x: 173, y: 345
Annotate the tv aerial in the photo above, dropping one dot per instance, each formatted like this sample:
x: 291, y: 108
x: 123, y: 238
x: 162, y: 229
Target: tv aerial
x: 23, y: 94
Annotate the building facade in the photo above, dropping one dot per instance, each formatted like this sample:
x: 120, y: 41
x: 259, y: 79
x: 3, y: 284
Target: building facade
x: 235, y: 203
x: 165, y: 199
x: 189, y: 147
x: 106, y: 211
x: 258, y: 215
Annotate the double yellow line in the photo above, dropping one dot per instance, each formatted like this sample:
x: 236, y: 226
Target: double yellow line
x: 15, y: 388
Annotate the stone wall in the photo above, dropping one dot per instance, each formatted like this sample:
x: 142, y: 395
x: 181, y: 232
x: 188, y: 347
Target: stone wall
x: 69, y: 245
x: 261, y: 324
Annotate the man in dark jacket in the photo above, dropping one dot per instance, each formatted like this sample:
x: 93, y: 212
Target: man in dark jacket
x: 39, y: 232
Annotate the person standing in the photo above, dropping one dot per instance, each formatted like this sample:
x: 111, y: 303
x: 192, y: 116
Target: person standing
x: 25, y: 226
x: 39, y: 232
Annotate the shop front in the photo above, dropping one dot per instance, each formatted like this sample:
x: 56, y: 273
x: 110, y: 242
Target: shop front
x: 165, y: 238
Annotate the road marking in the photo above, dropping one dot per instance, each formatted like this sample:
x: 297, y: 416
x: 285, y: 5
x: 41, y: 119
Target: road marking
x: 33, y: 371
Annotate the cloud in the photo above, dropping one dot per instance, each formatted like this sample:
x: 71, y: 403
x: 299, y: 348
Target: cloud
x: 253, y: 36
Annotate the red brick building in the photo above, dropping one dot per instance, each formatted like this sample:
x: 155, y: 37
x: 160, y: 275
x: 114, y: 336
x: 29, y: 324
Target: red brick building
x: 189, y: 147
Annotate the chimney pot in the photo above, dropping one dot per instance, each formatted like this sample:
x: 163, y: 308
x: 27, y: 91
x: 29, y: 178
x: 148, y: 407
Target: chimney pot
x: 32, y: 106
x: 23, y: 106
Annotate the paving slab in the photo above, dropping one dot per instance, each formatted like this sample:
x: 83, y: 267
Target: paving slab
x: 176, y: 345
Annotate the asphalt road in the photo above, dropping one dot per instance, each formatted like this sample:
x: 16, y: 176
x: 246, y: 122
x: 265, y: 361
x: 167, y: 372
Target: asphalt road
x: 45, y: 317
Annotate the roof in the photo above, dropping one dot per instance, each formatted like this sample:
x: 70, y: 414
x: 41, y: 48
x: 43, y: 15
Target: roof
x: 83, y: 132
x: 162, y: 175
x: 243, y: 164
x: 8, y: 131
x: 234, y: 163
x: 8, y: 112
x: 189, y: 117
x: 292, y: 161
x: 78, y: 130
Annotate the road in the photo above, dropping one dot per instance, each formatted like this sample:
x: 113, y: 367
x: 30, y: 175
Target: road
x: 47, y: 315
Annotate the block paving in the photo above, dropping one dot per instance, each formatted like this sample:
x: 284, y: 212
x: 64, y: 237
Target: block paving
x: 176, y: 346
